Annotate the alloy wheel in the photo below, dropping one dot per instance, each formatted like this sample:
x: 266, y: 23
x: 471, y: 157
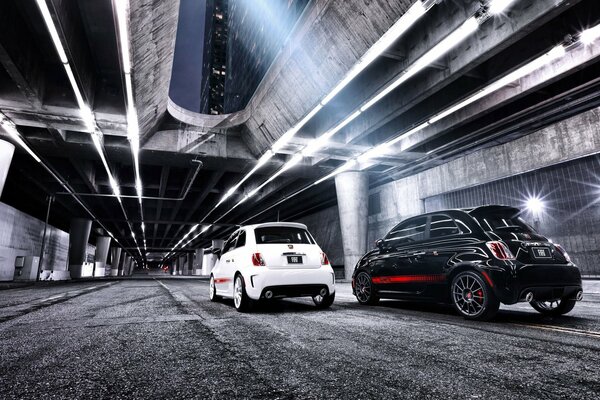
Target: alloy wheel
x: 211, y: 293
x: 238, y: 292
x: 363, y: 287
x: 469, y: 295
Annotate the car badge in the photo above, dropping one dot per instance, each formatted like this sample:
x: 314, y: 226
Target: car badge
x: 527, y: 236
x: 290, y: 246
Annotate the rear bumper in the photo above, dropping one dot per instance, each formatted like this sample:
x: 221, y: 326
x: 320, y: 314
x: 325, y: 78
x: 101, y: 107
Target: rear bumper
x: 289, y: 282
x: 547, y: 282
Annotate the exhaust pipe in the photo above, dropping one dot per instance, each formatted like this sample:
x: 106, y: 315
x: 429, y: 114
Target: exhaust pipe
x: 529, y: 297
x: 579, y: 295
x: 268, y: 294
x: 323, y: 292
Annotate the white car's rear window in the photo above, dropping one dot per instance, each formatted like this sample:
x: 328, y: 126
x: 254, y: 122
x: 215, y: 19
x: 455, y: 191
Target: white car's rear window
x: 282, y: 234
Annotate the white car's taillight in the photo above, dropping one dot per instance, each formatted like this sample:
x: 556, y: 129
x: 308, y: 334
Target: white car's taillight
x: 324, y: 259
x: 258, y: 260
x: 563, y: 252
x: 500, y: 250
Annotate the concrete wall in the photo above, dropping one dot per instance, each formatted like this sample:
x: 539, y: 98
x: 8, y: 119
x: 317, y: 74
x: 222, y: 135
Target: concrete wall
x: 325, y: 227
x: 21, y: 234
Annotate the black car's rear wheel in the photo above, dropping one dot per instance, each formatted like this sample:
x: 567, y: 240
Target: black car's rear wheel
x: 363, y: 289
x: 472, y: 297
x: 554, y: 307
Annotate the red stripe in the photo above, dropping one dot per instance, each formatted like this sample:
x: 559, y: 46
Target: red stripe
x: 222, y: 280
x: 409, y: 279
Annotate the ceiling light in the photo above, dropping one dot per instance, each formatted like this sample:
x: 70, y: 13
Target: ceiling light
x: 52, y: 29
x: 414, y: 13
x: 588, y: 36
x: 121, y: 11
x: 447, y: 44
x: 285, y: 138
x: 115, y: 186
x: 346, y: 166
x: 499, y: 6
x: 523, y: 71
x: 12, y: 131
x: 322, y: 140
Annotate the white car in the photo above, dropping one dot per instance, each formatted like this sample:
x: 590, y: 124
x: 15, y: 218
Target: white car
x: 272, y: 260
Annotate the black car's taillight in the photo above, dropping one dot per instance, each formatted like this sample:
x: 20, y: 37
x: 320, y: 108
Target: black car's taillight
x: 563, y: 252
x: 500, y: 250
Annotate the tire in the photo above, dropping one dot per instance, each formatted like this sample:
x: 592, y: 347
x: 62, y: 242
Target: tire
x: 472, y: 297
x: 555, y: 307
x: 363, y: 289
x: 323, y: 302
x: 241, y: 301
x: 212, y: 290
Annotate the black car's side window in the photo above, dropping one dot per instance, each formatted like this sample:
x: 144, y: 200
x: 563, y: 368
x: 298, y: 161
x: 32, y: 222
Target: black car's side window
x: 441, y: 226
x: 407, y: 232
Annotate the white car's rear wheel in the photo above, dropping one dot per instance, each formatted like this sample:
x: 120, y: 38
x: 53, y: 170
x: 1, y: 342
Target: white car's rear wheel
x: 241, y: 301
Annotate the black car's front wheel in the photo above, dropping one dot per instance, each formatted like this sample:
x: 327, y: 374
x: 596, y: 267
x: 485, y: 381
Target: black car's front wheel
x: 554, y: 307
x: 472, y: 297
x: 363, y: 289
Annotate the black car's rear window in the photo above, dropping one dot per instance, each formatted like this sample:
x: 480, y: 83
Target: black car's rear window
x: 282, y: 234
x: 506, y: 222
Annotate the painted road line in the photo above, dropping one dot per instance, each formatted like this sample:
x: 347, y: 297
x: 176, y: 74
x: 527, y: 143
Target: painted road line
x: 582, y: 332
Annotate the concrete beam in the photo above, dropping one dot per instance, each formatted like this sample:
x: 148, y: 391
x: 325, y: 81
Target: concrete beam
x: 575, y: 59
x: 321, y: 49
x: 494, y: 36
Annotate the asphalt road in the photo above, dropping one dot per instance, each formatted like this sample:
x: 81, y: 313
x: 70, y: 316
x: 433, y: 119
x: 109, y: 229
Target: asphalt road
x: 163, y: 338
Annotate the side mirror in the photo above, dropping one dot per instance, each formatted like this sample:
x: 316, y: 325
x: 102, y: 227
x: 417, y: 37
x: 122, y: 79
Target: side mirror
x: 217, y: 252
x: 379, y: 243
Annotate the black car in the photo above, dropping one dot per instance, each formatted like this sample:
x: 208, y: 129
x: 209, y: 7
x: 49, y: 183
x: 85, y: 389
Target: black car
x: 475, y: 259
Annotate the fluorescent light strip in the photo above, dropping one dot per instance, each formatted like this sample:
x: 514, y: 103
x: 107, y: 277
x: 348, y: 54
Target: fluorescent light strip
x: 588, y: 36
x: 322, y: 140
x: 12, y: 131
x: 554, y: 54
x: 407, y: 20
x: 499, y: 6
x: 52, y: 29
x: 447, y: 44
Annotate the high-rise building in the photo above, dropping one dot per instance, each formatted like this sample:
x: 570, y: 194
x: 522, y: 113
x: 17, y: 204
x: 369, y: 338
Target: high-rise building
x: 257, y: 31
x: 214, y: 65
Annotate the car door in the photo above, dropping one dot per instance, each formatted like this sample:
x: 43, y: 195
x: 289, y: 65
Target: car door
x: 402, y: 258
x: 445, y: 241
x: 224, y: 280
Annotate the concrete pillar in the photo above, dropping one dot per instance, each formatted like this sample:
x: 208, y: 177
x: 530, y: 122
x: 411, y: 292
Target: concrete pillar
x: 124, y: 265
x: 115, y: 259
x: 210, y: 259
x: 102, y: 246
x: 6, y: 154
x: 190, y: 264
x: 352, y: 188
x: 78, y: 240
x: 198, y: 262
